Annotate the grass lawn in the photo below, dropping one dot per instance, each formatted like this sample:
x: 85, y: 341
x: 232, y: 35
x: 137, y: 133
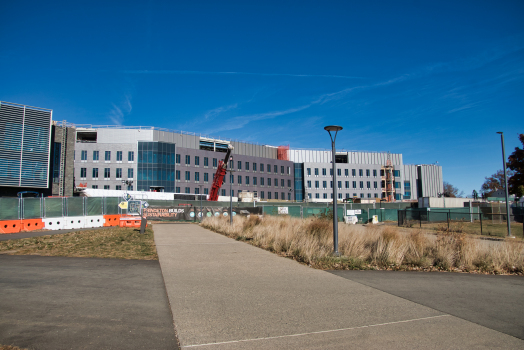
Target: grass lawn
x: 488, y: 228
x: 108, y: 242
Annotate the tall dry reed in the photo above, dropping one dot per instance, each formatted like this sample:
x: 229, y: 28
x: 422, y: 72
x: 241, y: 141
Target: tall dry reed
x: 310, y: 241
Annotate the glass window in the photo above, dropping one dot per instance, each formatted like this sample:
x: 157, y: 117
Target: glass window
x: 324, y: 184
x: 84, y: 155
x: 375, y: 184
x: 375, y: 195
x: 282, y: 171
x: 177, y: 157
x: 367, y: 172
x: 96, y: 155
x: 206, y: 177
x: 254, y: 166
x: 254, y: 178
x: 177, y: 174
x: 206, y: 190
x: 118, y: 173
x: 324, y: 171
x: 239, y: 165
x: 188, y: 176
x: 247, y: 180
x: 369, y: 195
x: 197, y: 160
x: 353, y: 172
x: 239, y: 179
x: 361, y: 184
x: 276, y: 182
x: 268, y: 195
x: 340, y: 196
x: 206, y: 161
x: 232, y: 178
x: 197, y: 190
x: 262, y: 168
x: 331, y: 172
x: 347, y: 184
x: 354, y: 184
x: 197, y: 176
x: 362, y: 195
x: 119, y: 187
x: 262, y: 194
x: 309, y: 171
x: 346, y: 172
x: 375, y: 172
x: 316, y: 171
x: 187, y: 190
x: 339, y: 183
x: 397, y: 173
x: 215, y: 163
x: 95, y: 173
x: 118, y: 156
x: 289, y: 170
x: 107, y: 173
x: 275, y: 169
x: 276, y: 195
x: 177, y: 189
x: 107, y: 187
x: 282, y: 182
x: 317, y: 184
x: 360, y: 172
x: 339, y: 172
x: 397, y: 184
x: 83, y: 172
x: 188, y: 162
x: 309, y: 184
x: 317, y: 195
x: 407, y: 185
x: 368, y: 184
x: 223, y: 192
x: 261, y: 181
x: 108, y: 156
x: 288, y: 183
x: 247, y: 166
x: 130, y: 156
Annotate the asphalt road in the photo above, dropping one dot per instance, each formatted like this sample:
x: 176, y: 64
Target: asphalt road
x: 53, y: 303
x: 496, y: 302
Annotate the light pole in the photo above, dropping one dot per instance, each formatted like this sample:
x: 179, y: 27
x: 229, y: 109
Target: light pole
x: 505, y: 182
x: 336, y: 129
x: 200, y: 195
x: 231, y: 192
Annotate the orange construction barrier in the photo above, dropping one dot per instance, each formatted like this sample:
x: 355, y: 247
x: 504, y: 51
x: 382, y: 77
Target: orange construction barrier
x: 111, y: 220
x: 32, y: 224
x: 130, y: 221
x: 10, y: 226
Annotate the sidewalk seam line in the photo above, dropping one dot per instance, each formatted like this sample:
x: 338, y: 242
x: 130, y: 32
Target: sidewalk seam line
x: 318, y: 332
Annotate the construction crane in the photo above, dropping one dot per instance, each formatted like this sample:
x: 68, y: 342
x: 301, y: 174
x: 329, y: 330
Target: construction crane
x: 219, y: 175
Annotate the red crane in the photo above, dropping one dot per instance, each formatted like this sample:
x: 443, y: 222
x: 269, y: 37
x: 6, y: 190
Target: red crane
x: 219, y: 175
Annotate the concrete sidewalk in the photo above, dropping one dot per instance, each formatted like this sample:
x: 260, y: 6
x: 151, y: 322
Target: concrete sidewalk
x: 226, y: 294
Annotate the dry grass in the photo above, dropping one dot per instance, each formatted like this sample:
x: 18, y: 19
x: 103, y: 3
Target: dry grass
x: 110, y: 242
x: 10, y: 347
x: 310, y: 241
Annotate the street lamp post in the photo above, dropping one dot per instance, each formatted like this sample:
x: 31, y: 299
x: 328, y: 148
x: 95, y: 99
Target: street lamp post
x: 230, y: 192
x: 505, y: 182
x: 336, y: 129
x: 200, y: 195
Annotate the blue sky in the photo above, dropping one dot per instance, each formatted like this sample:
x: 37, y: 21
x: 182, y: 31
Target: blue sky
x: 431, y: 80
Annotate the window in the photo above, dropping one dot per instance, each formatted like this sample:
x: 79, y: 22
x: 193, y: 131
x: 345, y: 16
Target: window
x: 407, y: 186
x: 118, y: 156
x: 239, y: 179
x: 197, y: 160
x: 197, y: 190
x: 396, y: 173
x: 108, y: 156
x: 282, y: 171
x: 131, y: 156
x: 254, y: 178
x: 268, y: 195
x: 239, y: 165
x: 206, y: 190
x: 288, y: 183
x: 339, y: 172
x: 188, y: 162
x: 206, y: 161
x: 309, y: 184
x: 375, y: 172
x: 83, y: 155
x: 276, y: 182
x: 362, y: 195
x: 247, y: 166
x: 317, y: 195
x: 275, y: 169
x: 354, y: 184
x: 330, y: 184
x: 282, y: 182
x: 223, y: 192
x: 261, y: 181
x: 316, y: 171
x: 215, y: 163
x: 177, y: 175
x: 247, y: 180
x: 360, y: 172
x: 324, y: 195
x: 347, y: 195
x: 261, y: 167
x: 107, y: 173
x: 269, y: 181
x: 276, y: 195
x: 407, y: 195
x: 353, y: 172
x: 340, y: 196
x: 262, y: 194
x: 177, y: 189
x: 187, y: 190
x: 188, y: 176
x: 368, y: 184
x: 119, y: 187
x: 106, y: 187
x: 346, y: 172
x: 397, y: 184
x: 339, y: 183
x: 398, y: 196
x: 361, y: 183
x: 206, y: 177
x: 369, y: 195
x: 308, y: 171
x: 95, y: 173
x: 289, y: 170
x: 83, y: 172
x: 317, y: 184
x: 375, y: 185
x: 118, y: 173
x: 347, y: 184
x: 309, y: 195
x: 254, y: 166
x: 96, y: 155
x: 130, y: 187
x: 324, y: 171
x: 367, y: 172
x: 324, y: 184
x: 177, y: 157
x: 197, y: 176
x: 232, y: 179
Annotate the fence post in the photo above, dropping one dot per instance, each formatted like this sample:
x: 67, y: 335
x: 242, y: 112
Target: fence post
x: 420, y: 219
x: 480, y: 216
x: 448, y: 215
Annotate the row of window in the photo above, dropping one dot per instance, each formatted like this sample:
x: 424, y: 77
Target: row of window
x: 117, y: 187
x: 223, y: 192
x: 245, y: 165
x: 341, y: 195
x: 346, y: 184
x: 107, y: 156
x: 346, y: 172
x: 240, y: 178
x: 107, y: 173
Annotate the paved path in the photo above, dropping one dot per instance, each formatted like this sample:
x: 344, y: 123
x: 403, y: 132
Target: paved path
x: 226, y: 294
x: 54, y: 303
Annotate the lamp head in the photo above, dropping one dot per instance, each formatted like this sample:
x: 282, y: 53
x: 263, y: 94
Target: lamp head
x: 499, y: 132
x: 332, y: 128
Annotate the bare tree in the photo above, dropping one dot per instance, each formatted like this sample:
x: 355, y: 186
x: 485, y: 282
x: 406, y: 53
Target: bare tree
x: 452, y: 191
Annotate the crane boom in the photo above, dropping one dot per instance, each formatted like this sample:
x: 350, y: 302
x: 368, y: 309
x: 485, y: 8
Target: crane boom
x: 219, y: 175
